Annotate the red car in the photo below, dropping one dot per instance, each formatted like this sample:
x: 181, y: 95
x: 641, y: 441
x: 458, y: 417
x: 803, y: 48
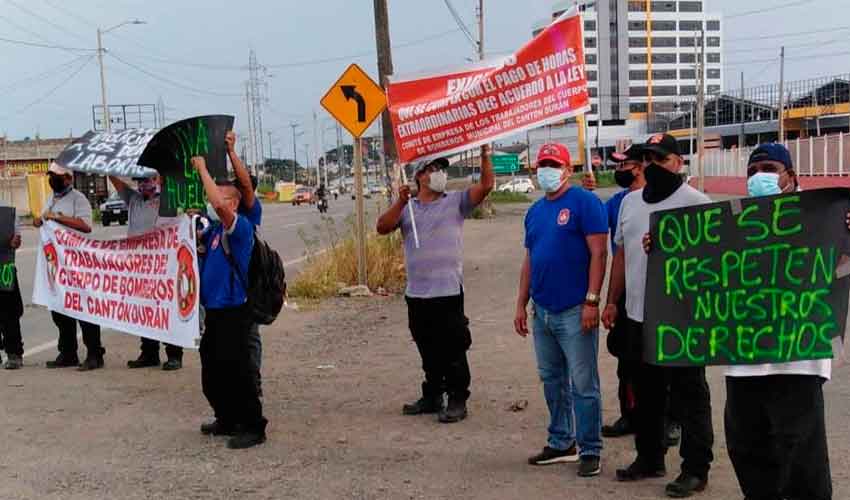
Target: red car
x: 303, y: 195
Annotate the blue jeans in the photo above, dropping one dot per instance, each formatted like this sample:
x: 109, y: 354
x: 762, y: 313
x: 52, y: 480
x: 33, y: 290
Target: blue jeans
x: 566, y: 361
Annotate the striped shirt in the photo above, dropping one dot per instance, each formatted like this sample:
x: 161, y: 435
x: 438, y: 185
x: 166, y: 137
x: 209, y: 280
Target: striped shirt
x: 435, y: 269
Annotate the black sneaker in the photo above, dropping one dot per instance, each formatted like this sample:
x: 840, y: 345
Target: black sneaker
x: 246, y: 440
x: 685, y: 485
x: 589, y: 466
x: 551, y: 456
x: 14, y: 362
x: 91, y: 363
x: 143, y: 362
x: 455, y: 411
x: 639, y: 470
x: 672, y: 434
x: 216, y: 428
x: 423, y: 406
x: 63, y: 361
x: 172, y: 364
x: 620, y: 428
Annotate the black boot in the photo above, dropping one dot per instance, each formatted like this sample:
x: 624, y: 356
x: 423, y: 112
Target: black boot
x: 144, y: 361
x: 455, y: 411
x: 64, y: 361
x: 425, y: 405
x: 621, y: 427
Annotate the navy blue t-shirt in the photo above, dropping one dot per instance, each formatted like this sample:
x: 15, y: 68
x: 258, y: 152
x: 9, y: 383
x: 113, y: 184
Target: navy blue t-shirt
x: 612, y: 206
x: 220, y: 287
x: 253, y: 214
x: 555, y: 236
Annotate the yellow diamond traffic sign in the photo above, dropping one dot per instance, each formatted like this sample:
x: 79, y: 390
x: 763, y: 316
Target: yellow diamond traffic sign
x: 355, y: 100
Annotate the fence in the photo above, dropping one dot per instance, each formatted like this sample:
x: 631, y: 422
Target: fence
x: 827, y: 155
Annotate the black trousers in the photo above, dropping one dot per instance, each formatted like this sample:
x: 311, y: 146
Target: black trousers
x: 68, y: 336
x: 255, y: 351
x: 628, y: 360
x: 11, y: 310
x: 776, y: 437
x: 441, y: 332
x: 150, y: 349
x: 227, y: 374
x: 688, y: 390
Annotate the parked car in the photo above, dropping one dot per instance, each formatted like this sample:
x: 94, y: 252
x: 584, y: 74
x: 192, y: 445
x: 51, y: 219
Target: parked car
x: 518, y: 185
x: 303, y: 195
x: 113, y: 210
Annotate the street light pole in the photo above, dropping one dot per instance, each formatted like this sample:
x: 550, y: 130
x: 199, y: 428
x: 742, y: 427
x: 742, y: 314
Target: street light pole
x: 100, y: 52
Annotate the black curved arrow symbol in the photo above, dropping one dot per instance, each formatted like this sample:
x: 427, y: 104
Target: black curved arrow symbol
x: 350, y: 92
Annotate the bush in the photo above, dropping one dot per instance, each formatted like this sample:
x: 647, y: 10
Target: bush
x: 508, y: 197
x: 326, y: 272
x: 265, y: 187
x: 604, y: 179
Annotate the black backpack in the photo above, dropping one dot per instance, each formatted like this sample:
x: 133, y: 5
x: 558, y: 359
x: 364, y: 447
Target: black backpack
x: 265, y: 283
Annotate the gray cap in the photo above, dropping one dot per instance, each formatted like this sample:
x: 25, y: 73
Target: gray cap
x: 422, y: 165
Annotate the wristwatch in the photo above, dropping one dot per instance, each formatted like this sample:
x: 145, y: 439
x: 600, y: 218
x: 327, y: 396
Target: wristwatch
x: 591, y: 299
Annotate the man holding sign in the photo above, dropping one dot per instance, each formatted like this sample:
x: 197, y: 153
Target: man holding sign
x: 664, y: 189
x: 11, y: 305
x: 435, y: 281
x: 775, y: 428
x: 70, y: 208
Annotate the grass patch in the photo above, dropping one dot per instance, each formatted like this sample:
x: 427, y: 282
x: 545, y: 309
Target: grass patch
x: 508, y: 197
x: 324, y: 274
x: 604, y: 179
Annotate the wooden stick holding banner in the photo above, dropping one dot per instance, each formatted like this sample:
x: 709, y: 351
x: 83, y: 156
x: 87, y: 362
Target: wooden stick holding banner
x: 410, y: 207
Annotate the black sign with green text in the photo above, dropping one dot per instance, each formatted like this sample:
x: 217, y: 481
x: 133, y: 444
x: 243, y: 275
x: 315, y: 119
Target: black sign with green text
x: 7, y: 254
x: 170, y: 152
x: 757, y: 280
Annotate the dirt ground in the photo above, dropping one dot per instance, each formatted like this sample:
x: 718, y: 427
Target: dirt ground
x: 335, y: 378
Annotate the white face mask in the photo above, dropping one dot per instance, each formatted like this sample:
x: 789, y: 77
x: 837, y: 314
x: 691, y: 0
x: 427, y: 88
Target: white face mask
x: 438, y: 181
x: 211, y: 213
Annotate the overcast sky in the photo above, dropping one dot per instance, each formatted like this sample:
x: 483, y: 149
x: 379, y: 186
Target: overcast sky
x: 217, y: 35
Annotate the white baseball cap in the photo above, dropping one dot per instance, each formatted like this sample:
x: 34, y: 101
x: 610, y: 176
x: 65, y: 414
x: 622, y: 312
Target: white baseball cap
x: 58, y: 169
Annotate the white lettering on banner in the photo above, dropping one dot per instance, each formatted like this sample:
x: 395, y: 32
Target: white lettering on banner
x: 147, y: 285
x: 109, y: 154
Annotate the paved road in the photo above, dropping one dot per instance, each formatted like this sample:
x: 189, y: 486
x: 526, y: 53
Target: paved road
x: 285, y: 227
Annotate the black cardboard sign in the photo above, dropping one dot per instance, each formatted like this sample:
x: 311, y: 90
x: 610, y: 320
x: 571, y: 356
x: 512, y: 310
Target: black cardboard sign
x: 7, y: 254
x: 758, y: 280
x: 170, y: 152
x: 105, y: 153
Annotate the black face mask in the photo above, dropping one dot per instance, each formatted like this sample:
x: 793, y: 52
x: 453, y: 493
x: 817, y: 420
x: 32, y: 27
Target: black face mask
x: 57, y: 184
x: 624, y: 178
x: 660, y: 183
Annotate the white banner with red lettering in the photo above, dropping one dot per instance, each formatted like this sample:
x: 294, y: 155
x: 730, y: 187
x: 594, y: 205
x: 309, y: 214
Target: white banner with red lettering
x: 147, y: 285
x: 544, y: 82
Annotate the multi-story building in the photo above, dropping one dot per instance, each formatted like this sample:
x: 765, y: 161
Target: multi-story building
x: 640, y: 58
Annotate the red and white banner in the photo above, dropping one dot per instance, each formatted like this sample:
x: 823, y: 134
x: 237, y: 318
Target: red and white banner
x: 542, y: 83
x: 147, y: 285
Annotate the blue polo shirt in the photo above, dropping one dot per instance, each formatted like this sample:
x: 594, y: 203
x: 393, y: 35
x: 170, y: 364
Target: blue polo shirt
x: 555, y: 236
x: 220, y: 287
x: 255, y: 213
x: 612, y: 206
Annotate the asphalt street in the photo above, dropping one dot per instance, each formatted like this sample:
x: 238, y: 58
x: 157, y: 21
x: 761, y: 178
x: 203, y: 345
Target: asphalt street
x: 284, y: 226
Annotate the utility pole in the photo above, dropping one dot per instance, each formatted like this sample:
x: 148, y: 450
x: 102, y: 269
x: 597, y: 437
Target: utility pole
x: 256, y: 85
x: 270, y: 143
x: 360, y: 212
x: 316, y: 148
x: 742, y: 137
x: 252, y: 138
x: 385, y: 68
x: 782, y: 95
x: 701, y: 115
x: 106, y: 117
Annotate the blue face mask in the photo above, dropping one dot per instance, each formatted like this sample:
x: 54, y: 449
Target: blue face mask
x: 549, y: 179
x: 763, y: 184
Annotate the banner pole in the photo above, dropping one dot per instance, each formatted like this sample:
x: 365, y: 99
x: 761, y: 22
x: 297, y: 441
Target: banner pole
x: 410, y: 208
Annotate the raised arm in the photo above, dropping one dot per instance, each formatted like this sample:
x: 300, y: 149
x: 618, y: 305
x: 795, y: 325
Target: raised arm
x: 389, y: 220
x: 480, y: 190
x: 245, y: 186
x: 214, y: 196
x: 119, y: 185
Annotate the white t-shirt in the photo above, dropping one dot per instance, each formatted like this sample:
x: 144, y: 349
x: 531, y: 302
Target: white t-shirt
x: 632, y: 225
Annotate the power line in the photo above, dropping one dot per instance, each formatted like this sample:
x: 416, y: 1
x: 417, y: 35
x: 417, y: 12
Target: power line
x: 57, y: 87
x: 788, y: 35
x: 807, y: 57
x: 820, y: 43
x: 45, y: 45
x: 45, y: 20
x: 771, y: 9
x: 171, y: 82
x: 461, y: 25
x: 11, y: 87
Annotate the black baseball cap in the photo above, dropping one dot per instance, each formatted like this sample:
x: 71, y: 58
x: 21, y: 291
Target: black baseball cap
x: 634, y: 153
x: 662, y: 144
x: 441, y: 163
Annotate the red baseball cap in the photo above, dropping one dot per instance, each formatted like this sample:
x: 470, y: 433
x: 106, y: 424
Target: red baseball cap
x: 555, y: 152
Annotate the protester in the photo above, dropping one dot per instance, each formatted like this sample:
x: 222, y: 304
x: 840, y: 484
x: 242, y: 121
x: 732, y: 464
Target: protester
x: 629, y: 176
x: 11, y: 310
x: 251, y: 208
x: 565, y: 239
x: 688, y: 388
x: 228, y: 376
x: 435, y: 281
x: 70, y: 208
x: 142, y: 216
x: 775, y: 428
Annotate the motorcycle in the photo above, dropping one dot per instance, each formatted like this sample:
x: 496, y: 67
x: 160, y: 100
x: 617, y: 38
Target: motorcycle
x: 322, y: 205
